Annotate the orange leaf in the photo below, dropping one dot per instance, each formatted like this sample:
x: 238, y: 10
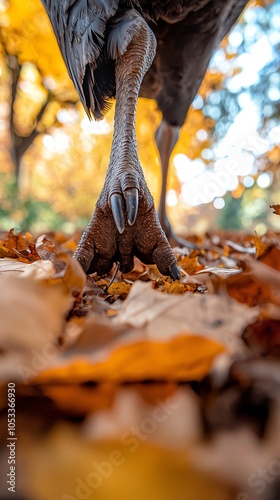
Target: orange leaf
x: 185, y: 357
x: 276, y: 209
x: 261, y: 247
x: 190, y: 264
x: 12, y: 244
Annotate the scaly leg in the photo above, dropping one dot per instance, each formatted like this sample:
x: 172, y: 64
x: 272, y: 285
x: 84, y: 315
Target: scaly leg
x: 125, y: 222
x: 166, y: 137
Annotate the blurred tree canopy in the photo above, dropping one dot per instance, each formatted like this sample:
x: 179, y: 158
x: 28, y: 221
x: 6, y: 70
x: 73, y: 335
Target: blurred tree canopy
x: 53, y: 160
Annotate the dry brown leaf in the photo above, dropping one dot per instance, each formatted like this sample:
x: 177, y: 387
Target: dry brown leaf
x: 246, y: 290
x: 81, y: 399
x: 32, y: 312
x: 46, y: 248
x: 42, y: 242
x: 190, y: 265
x: 164, y: 315
x: 221, y: 272
x: 263, y: 337
x: 73, y: 277
x: 29, y: 255
x: 137, y: 271
x: 240, y: 248
x: 261, y: 246
x: 265, y: 274
x: 11, y: 266
x: 271, y: 258
x: 13, y: 242
x: 276, y: 209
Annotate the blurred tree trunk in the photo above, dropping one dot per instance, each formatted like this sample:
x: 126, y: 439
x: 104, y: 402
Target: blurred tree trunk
x: 19, y: 143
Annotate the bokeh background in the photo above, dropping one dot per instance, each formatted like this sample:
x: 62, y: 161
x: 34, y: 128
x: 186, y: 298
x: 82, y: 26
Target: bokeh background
x: 53, y: 160
x: 224, y: 175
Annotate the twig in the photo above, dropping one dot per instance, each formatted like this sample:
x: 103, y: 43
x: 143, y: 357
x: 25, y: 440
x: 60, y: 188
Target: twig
x: 113, y: 277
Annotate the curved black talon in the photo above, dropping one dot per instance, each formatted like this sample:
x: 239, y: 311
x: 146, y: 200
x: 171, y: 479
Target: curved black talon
x: 175, y: 271
x: 132, y: 199
x: 117, y: 211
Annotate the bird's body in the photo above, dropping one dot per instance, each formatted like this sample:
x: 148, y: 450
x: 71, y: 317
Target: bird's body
x: 186, y: 39
x: 182, y: 27
x: 95, y: 36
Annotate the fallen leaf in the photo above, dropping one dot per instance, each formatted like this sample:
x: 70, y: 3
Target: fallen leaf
x: 271, y: 257
x: 163, y: 315
x: 29, y: 255
x: 276, y: 209
x: 12, y: 242
x: 73, y: 277
x: 81, y: 399
x: 184, y: 357
x: 261, y: 247
x: 136, y: 272
x: 119, y: 288
x: 221, y: 272
x: 190, y: 265
x: 240, y: 248
x: 263, y: 337
x: 260, y: 282
x: 46, y: 248
x: 11, y: 266
x: 66, y: 464
x: 32, y: 312
x: 175, y: 287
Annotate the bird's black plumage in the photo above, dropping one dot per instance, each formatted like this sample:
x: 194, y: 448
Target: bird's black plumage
x: 80, y: 26
x: 184, y: 49
x: 187, y: 32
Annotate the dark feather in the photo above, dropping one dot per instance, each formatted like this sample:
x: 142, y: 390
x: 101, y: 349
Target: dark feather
x: 93, y: 33
x: 80, y: 26
x: 121, y: 32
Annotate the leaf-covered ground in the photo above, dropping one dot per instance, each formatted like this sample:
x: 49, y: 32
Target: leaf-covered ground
x: 133, y: 385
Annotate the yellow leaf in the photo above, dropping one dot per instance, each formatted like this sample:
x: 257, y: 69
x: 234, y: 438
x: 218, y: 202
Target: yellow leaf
x: 261, y: 247
x: 64, y: 461
x: 175, y: 287
x: 119, y: 288
x: 74, y: 277
x: 190, y: 264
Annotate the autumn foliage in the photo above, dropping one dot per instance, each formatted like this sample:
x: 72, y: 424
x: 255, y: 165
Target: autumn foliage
x: 127, y: 386
x: 82, y: 347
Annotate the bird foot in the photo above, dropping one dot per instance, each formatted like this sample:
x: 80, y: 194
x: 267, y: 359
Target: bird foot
x: 125, y: 224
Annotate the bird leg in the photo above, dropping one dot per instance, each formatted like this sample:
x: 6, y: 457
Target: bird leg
x: 125, y: 222
x: 166, y: 137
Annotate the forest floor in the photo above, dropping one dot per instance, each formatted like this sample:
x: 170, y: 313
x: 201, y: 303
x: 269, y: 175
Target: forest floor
x: 139, y: 385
